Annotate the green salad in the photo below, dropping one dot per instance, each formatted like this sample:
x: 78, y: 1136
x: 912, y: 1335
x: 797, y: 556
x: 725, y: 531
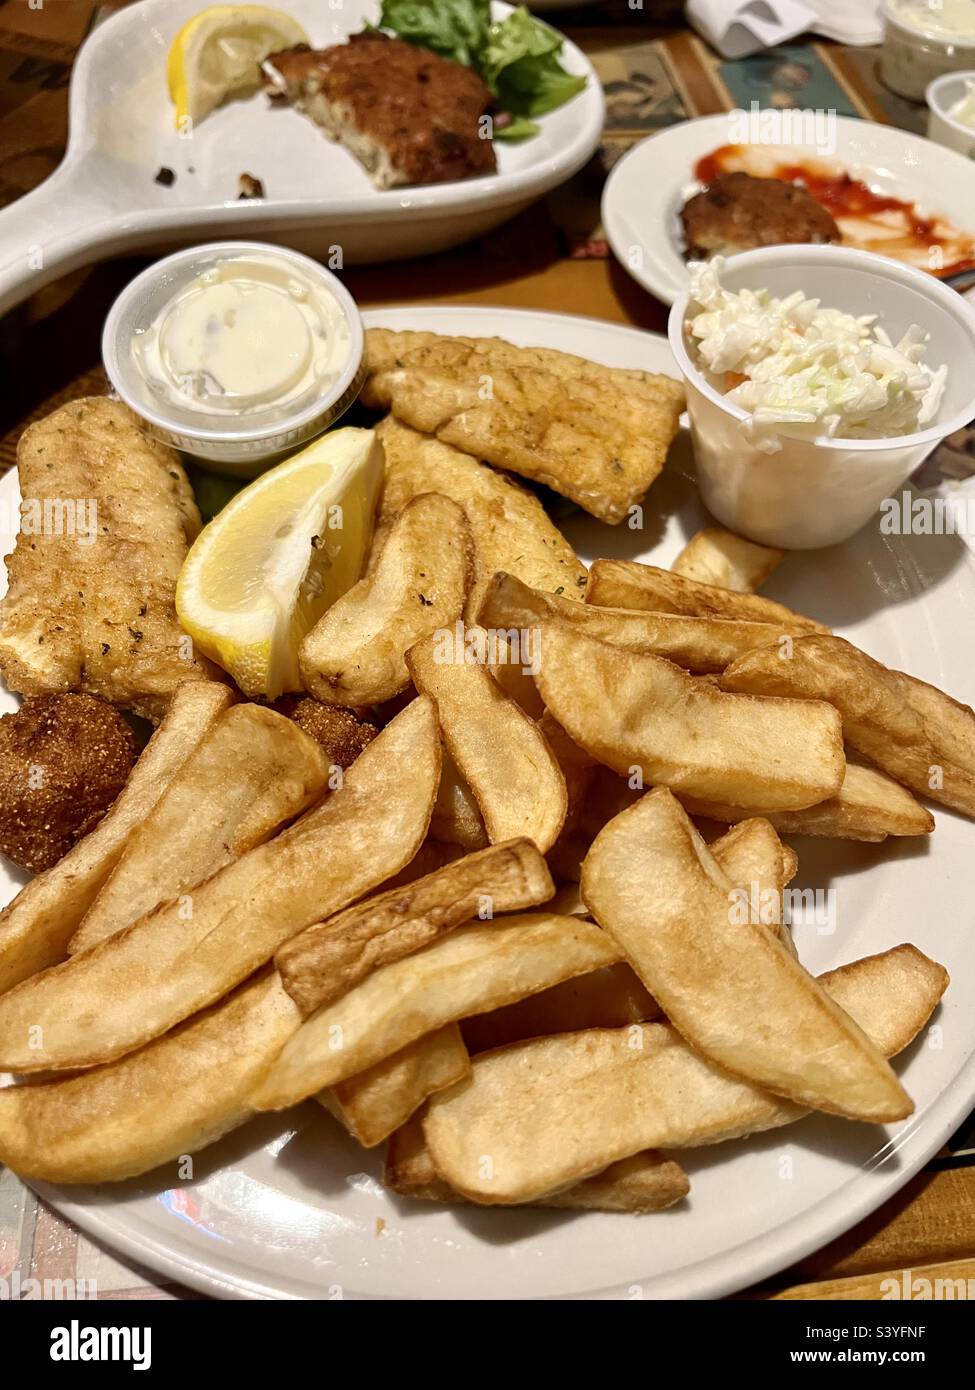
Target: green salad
x: 518, y: 58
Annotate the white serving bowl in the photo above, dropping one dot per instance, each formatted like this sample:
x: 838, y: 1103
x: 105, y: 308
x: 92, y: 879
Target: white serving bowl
x: 813, y: 493
x: 913, y: 55
x: 941, y: 95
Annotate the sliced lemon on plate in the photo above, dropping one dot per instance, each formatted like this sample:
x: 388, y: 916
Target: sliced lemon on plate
x: 282, y: 551
x: 218, y: 53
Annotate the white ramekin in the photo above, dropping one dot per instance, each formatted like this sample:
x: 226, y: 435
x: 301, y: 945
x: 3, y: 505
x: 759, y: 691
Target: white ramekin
x: 246, y: 445
x: 813, y: 493
x: 912, y: 56
x: 941, y: 95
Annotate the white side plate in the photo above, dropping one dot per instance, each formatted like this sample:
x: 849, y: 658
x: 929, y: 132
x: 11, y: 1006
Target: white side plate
x: 289, y: 1207
x: 103, y: 199
x: 647, y: 188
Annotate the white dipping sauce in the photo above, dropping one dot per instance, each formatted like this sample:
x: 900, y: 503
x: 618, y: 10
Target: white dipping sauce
x: 250, y: 334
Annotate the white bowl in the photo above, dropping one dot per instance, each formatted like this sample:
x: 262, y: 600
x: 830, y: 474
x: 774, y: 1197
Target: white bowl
x: 913, y: 55
x: 241, y: 446
x: 941, y: 95
x: 813, y: 493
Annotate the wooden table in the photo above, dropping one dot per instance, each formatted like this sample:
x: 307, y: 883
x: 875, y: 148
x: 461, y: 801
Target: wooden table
x: 552, y: 257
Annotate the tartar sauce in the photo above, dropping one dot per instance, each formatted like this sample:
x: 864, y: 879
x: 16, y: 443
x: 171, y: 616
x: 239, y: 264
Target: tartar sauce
x: 948, y: 18
x: 251, y: 334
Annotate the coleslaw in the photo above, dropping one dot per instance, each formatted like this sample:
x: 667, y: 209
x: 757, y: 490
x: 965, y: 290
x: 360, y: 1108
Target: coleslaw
x: 805, y: 371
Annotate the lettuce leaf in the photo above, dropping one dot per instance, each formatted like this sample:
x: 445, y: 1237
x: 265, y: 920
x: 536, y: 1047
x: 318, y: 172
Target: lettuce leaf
x: 518, y: 58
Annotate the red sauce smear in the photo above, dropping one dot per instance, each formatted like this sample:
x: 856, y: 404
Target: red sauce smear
x: 842, y: 196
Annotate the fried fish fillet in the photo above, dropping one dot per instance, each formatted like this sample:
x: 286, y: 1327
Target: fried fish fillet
x: 107, y: 519
x: 598, y: 435
x: 510, y: 528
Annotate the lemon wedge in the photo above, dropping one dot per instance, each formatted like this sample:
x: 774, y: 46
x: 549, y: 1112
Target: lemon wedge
x: 218, y: 54
x: 262, y: 573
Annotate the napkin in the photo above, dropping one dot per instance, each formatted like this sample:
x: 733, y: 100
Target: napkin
x: 737, y: 28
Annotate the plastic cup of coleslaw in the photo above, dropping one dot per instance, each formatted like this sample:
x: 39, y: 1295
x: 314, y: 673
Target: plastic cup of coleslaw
x: 818, y: 492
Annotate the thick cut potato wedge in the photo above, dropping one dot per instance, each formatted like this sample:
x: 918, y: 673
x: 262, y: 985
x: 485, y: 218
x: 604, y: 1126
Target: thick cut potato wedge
x: 721, y: 558
x: 36, y: 927
x: 500, y: 752
x: 643, y: 713
x: 510, y: 527
x: 378, y: 1101
x: 651, y: 882
x: 133, y: 987
x: 456, y: 818
x: 541, y: 1115
x: 752, y: 856
x: 910, y: 729
x: 628, y: 584
x: 868, y: 806
x: 477, y: 967
x: 356, y: 652
x: 329, y: 959
x: 172, y: 1097
x: 697, y: 644
x: 253, y: 772
x: 640, y: 1184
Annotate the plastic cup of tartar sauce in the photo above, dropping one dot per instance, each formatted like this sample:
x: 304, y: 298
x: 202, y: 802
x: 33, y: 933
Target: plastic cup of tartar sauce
x: 235, y: 352
x: 944, y: 95
x: 818, y: 492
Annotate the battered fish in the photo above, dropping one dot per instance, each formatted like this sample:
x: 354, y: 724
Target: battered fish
x: 107, y: 518
x: 598, y: 435
x: 510, y: 528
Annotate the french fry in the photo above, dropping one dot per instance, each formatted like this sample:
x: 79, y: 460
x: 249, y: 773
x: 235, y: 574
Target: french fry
x: 911, y: 730
x: 381, y: 1099
x: 807, y: 1048
x: 456, y: 818
x: 868, y: 806
x: 355, y: 653
x: 36, y: 927
x: 629, y: 584
x: 701, y: 644
x: 133, y: 987
x: 474, y: 968
x: 541, y: 1115
x: 643, y: 1183
x: 499, y: 751
x: 254, y: 771
x: 717, y: 557
x: 642, y: 714
x: 331, y: 958
x: 172, y: 1097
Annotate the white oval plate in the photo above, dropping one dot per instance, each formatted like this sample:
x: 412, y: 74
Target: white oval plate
x: 647, y: 188
x: 291, y: 1208
x: 102, y: 199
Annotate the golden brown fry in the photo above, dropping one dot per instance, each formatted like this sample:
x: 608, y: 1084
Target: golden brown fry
x: 381, y: 1099
x: 477, y: 967
x: 329, y: 959
x: 629, y: 584
x: 132, y: 987
x: 641, y: 714
x: 868, y: 806
x: 356, y: 652
x: 509, y: 525
x: 910, y: 729
x: 807, y: 1048
x: 36, y: 927
x: 718, y: 557
x: 640, y: 1184
x: 172, y: 1097
x: 697, y: 644
x: 456, y: 818
x: 499, y: 751
x: 253, y: 772
x: 586, y: 1099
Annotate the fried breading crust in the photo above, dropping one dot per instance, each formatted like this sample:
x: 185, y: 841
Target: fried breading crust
x: 599, y: 435
x: 90, y: 604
